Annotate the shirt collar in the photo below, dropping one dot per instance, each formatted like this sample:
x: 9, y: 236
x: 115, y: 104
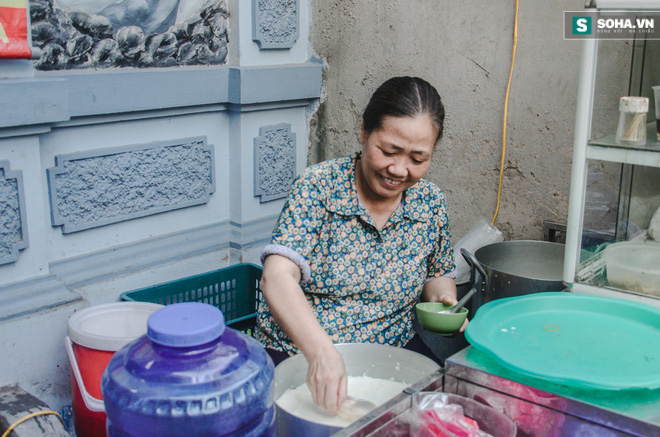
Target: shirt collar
x: 345, y: 200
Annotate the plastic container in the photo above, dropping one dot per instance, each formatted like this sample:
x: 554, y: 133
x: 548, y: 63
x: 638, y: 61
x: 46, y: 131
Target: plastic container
x: 190, y: 376
x: 634, y: 266
x: 95, y: 333
x: 631, y: 129
x: 482, y: 234
x: 234, y: 290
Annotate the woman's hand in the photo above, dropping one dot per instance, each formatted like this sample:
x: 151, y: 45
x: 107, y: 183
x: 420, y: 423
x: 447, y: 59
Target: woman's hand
x: 442, y: 289
x: 326, y: 378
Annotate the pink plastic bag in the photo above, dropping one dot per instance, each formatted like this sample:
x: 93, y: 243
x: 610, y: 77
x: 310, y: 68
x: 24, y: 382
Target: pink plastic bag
x: 434, y: 416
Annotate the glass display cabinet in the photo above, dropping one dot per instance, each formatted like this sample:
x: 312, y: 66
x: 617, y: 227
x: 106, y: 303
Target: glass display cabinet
x: 624, y: 261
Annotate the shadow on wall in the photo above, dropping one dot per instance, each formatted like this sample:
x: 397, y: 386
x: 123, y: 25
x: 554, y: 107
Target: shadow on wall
x: 76, y: 34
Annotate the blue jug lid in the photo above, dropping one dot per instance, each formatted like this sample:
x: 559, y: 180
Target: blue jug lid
x: 185, y: 324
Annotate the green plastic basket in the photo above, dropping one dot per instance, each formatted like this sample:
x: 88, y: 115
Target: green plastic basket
x: 234, y: 290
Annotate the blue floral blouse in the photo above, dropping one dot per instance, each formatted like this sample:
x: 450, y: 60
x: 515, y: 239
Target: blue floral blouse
x: 361, y: 282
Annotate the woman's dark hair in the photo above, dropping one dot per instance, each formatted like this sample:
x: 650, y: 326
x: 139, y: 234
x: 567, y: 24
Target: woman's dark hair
x: 404, y: 97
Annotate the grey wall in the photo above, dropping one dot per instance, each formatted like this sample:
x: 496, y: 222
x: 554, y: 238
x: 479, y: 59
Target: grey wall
x: 464, y: 49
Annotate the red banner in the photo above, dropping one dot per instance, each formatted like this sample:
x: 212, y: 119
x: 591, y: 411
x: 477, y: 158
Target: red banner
x: 13, y: 29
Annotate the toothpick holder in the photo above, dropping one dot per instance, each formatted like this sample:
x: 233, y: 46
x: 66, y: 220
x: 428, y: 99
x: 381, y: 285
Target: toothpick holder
x: 632, y: 121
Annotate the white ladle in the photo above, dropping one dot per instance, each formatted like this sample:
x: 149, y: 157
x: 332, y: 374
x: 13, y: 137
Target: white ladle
x: 461, y: 303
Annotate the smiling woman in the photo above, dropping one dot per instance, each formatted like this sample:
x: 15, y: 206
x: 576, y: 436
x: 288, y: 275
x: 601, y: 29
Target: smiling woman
x: 394, y: 158
x: 360, y: 240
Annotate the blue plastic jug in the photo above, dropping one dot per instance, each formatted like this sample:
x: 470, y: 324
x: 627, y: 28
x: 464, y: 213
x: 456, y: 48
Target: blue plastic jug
x: 189, y: 376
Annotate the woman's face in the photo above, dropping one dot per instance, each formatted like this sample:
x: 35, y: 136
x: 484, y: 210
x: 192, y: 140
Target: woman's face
x: 395, y: 156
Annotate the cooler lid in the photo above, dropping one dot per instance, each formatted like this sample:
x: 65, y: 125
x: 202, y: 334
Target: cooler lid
x: 110, y: 326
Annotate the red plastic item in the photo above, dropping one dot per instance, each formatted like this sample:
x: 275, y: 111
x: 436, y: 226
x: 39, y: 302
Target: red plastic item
x: 92, y: 363
x: 95, y: 334
x: 13, y: 32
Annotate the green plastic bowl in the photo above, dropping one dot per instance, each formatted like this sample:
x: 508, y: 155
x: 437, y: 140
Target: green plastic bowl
x: 432, y: 320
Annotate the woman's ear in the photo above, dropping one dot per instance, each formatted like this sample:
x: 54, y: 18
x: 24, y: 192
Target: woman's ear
x: 363, y: 135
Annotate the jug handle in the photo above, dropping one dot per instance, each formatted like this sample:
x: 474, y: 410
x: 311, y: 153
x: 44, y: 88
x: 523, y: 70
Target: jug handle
x: 477, y: 272
x: 91, y: 402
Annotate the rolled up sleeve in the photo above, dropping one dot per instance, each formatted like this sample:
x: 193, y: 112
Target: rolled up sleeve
x: 297, y: 230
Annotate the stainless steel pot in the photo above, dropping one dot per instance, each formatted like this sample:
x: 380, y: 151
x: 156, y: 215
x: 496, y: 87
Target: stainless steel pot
x: 373, y: 360
x: 515, y: 268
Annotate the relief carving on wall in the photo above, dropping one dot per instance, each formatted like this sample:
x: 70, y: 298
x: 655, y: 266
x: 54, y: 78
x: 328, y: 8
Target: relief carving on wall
x: 101, y: 187
x: 76, y: 34
x: 274, y: 162
x: 13, y: 223
x: 275, y: 23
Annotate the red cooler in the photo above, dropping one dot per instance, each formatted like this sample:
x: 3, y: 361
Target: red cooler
x: 95, y: 334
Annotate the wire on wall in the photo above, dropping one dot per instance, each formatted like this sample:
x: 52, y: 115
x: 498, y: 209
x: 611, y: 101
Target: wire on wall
x: 506, y: 107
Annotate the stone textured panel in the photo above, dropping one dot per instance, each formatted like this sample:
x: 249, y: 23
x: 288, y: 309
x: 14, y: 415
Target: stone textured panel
x: 274, y: 162
x: 13, y: 225
x: 101, y: 187
x: 275, y: 23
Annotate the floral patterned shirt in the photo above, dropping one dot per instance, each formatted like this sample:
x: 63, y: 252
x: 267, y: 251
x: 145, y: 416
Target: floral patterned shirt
x: 362, y: 282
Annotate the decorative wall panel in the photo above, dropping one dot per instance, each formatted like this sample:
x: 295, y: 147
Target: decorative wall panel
x: 275, y: 23
x: 77, y: 34
x: 13, y: 225
x: 97, y: 188
x: 274, y: 162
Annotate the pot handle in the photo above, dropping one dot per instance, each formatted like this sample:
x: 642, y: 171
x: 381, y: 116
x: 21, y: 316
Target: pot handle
x: 91, y: 402
x: 477, y: 272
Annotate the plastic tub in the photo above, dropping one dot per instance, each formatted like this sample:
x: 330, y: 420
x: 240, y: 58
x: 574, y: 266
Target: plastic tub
x: 482, y: 234
x: 634, y: 266
x: 95, y: 333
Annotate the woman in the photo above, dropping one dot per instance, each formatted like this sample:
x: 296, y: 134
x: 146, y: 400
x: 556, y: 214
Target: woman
x: 359, y: 241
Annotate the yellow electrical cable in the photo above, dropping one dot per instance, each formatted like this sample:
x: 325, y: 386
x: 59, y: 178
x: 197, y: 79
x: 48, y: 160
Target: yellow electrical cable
x: 506, y: 106
x: 30, y: 416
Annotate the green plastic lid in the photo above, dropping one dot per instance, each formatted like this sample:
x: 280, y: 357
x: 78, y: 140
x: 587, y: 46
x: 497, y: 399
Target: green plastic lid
x: 572, y: 339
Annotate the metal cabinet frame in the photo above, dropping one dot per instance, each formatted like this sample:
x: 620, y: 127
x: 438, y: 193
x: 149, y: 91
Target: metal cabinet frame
x: 603, y: 150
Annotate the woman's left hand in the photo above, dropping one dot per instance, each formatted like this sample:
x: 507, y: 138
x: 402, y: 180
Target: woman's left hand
x: 442, y: 289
